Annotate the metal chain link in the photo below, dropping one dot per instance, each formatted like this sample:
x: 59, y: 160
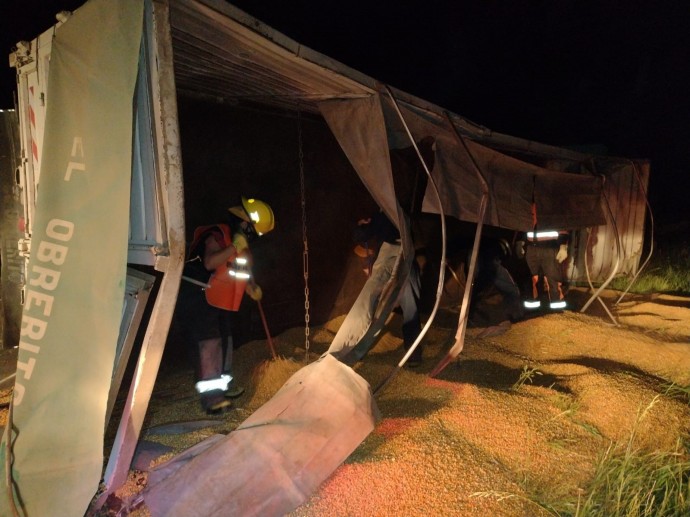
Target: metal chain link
x: 305, y: 253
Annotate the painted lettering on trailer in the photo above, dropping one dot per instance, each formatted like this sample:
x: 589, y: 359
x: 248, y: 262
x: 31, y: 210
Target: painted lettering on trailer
x: 42, y: 281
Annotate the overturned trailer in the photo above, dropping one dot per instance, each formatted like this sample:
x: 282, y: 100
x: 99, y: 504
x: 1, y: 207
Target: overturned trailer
x: 224, y: 105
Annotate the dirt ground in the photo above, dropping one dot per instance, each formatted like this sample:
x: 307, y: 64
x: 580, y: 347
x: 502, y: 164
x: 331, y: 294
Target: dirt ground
x: 522, y: 416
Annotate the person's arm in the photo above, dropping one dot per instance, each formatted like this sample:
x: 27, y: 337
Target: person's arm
x: 562, y: 253
x: 215, y: 255
x: 520, y: 243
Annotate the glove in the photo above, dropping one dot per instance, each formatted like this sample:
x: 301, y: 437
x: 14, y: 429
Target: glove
x: 254, y: 292
x: 240, y: 242
x: 520, y: 249
x: 562, y: 253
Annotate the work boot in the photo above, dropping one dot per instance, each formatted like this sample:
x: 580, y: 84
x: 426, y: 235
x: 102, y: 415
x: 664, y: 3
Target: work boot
x: 218, y: 408
x: 214, y: 403
x: 233, y: 391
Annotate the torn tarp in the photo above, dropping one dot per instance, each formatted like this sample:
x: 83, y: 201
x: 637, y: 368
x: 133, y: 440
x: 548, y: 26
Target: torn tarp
x: 277, y: 457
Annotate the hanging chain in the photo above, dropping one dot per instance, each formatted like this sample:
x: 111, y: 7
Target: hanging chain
x: 305, y: 253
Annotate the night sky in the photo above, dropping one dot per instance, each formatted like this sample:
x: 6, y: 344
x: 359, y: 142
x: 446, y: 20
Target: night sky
x: 562, y: 72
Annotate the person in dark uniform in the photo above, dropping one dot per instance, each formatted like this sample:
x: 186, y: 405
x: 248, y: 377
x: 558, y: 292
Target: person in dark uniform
x: 354, y: 338
x: 545, y: 252
x: 216, y: 276
x: 491, y: 273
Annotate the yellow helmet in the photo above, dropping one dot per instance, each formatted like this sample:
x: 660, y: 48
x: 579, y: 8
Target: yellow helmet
x: 256, y: 212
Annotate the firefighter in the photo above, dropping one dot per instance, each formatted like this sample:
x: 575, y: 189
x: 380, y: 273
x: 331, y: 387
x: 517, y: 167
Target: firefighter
x: 545, y: 252
x: 216, y: 276
x: 490, y: 272
x: 353, y: 340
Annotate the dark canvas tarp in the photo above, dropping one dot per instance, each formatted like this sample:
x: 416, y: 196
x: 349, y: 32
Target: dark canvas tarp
x: 472, y: 182
x: 366, y: 146
x: 513, y: 184
x: 563, y: 200
x: 367, y: 149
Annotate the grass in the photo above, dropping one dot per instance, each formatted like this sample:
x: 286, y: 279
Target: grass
x: 527, y: 375
x: 566, y: 403
x: 633, y: 483
x: 667, y: 272
x: 589, y: 428
x: 677, y: 392
x: 627, y: 482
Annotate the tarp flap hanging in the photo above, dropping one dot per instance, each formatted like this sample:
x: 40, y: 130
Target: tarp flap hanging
x: 76, y: 273
x: 277, y: 457
x: 563, y: 200
x: 361, y: 132
x: 360, y: 128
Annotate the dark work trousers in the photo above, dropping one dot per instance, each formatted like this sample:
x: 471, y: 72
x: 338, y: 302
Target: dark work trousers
x: 541, y: 260
x: 206, y: 330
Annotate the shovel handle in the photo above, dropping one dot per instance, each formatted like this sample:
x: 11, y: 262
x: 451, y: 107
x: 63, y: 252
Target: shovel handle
x: 268, y: 334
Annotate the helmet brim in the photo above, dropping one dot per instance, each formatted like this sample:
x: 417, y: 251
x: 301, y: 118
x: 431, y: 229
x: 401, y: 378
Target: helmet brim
x: 240, y: 212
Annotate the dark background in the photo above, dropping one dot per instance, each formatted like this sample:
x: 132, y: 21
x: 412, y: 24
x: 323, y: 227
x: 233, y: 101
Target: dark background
x: 562, y: 72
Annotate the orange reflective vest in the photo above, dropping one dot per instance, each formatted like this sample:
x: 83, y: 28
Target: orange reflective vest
x: 228, y: 282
